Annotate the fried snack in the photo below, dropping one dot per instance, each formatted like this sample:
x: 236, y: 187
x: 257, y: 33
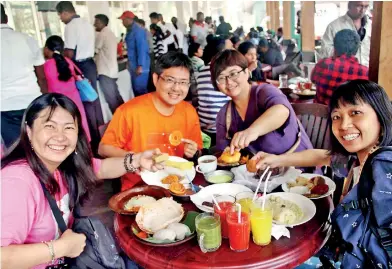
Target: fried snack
x: 227, y: 158
x: 175, y: 138
x: 244, y: 159
x: 177, y: 188
x: 317, y: 180
x: 170, y: 179
x: 302, y: 181
x: 160, y: 158
x: 251, y: 166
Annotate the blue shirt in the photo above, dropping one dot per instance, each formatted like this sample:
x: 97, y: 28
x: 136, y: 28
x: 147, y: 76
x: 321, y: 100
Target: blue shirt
x: 137, y: 47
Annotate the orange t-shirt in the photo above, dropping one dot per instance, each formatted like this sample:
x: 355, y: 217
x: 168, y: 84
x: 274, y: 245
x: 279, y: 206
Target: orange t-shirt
x: 138, y: 126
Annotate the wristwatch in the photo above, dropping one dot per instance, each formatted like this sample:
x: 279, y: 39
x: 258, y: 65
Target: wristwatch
x: 128, y: 164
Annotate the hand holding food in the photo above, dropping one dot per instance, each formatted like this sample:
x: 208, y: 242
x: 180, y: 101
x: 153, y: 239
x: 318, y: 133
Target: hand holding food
x: 229, y: 158
x: 265, y: 159
x: 243, y: 139
x: 160, y: 158
x: 145, y: 160
x: 190, y: 148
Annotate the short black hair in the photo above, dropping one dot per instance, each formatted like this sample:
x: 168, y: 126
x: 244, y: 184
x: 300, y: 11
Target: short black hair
x: 368, y: 92
x: 263, y: 42
x: 173, y: 59
x: 154, y: 15
x: 346, y: 42
x: 235, y: 39
x: 221, y: 18
x: 245, y: 46
x: 103, y: 18
x: 142, y: 22
x: 193, y: 48
x: 65, y: 6
x: 4, y: 17
x: 280, y: 29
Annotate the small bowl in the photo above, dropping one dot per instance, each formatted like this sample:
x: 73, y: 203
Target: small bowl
x: 219, y: 173
x: 117, y: 202
x: 185, y: 197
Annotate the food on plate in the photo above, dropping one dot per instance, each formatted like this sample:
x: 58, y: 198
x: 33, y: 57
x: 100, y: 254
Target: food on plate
x: 179, y: 165
x: 142, y: 235
x: 177, y: 188
x: 180, y: 229
x: 165, y: 234
x: 229, y: 158
x: 170, y: 179
x: 160, y: 158
x: 137, y: 201
x: 244, y: 159
x: 251, y: 166
x: 158, y: 215
x: 285, y: 211
x: 311, y: 188
x: 175, y: 138
x: 220, y: 178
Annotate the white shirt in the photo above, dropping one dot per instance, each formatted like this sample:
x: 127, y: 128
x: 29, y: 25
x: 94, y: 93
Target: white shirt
x: 79, y: 35
x: 106, y: 50
x: 168, y: 27
x: 18, y: 82
x: 345, y: 22
x: 200, y: 31
x: 180, y: 37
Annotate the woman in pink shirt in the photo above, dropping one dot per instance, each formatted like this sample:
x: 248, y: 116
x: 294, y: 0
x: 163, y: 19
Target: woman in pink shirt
x: 53, y: 149
x: 60, y: 75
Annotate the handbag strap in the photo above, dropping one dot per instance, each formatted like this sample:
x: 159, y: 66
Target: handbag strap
x: 55, y: 209
x: 77, y: 70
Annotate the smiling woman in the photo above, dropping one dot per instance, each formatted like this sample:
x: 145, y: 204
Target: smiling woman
x: 53, y: 150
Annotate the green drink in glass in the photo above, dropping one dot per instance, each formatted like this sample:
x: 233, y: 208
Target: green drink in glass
x: 208, y: 228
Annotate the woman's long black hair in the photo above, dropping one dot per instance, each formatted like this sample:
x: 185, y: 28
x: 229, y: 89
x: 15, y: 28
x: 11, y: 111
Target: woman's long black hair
x: 56, y: 44
x: 76, y: 169
x: 158, y: 31
x: 368, y: 92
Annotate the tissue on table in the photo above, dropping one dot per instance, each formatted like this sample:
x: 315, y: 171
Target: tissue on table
x: 279, y: 230
x: 243, y: 177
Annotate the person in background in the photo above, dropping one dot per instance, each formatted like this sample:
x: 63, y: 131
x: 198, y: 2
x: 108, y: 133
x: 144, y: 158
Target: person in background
x: 199, y: 30
x: 53, y: 149
x: 79, y: 39
x: 179, y: 34
x: 260, y: 31
x: 60, y: 75
x: 142, y: 24
x: 330, y: 72
x: 209, y: 99
x: 224, y: 28
x: 106, y: 57
x: 261, y: 116
x: 211, y: 26
x: 167, y: 30
x: 269, y: 53
x: 22, y: 77
x: 279, y: 35
x: 195, y: 53
x: 236, y: 41
x: 138, y: 53
x: 356, y: 20
x: 139, y: 124
x: 157, y: 37
x: 248, y: 49
x: 120, y: 47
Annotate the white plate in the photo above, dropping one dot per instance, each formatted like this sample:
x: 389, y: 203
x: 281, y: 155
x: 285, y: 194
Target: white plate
x: 151, y: 178
x: 328, y: 181
x: 205, y: 194
x: 307, y: 206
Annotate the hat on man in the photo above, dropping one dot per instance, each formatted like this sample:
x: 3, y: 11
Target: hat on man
x: 127, y: 14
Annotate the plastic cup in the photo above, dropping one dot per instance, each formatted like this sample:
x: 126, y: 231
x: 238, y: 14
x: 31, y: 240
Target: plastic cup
x: 208, y: 228
x: 239, y: 231
x: 245, y: 199
x: 261, y: 224
x: 225, y: 202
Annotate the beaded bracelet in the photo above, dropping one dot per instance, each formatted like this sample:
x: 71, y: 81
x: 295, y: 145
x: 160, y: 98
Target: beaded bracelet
x: 51, y: 249
x: 128, y: 164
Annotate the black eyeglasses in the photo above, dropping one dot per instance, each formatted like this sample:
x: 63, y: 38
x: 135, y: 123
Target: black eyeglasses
x: 172, y: 82
x: 221, y: 80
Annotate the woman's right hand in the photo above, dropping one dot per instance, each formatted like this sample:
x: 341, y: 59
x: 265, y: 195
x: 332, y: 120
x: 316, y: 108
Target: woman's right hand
x: 266, y: 159
x: 70, y: 244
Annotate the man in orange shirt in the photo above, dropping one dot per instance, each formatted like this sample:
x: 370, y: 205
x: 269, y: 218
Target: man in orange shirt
x: 147, y: 121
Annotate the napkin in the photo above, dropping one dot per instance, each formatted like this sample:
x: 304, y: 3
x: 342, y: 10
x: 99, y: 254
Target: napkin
x: 243, y: 177
x: 279, y: 230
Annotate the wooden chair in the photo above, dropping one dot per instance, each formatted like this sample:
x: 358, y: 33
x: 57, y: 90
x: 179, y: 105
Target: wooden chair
x: 314, y: 119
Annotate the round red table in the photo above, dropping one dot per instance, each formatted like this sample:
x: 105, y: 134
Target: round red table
x: 305, y: 240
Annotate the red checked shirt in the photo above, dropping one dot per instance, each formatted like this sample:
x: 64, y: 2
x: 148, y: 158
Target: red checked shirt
x: 330, y: 72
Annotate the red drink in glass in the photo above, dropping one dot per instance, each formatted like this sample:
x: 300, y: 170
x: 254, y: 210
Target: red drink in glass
x: 224, y: 206
x: 239, y: 232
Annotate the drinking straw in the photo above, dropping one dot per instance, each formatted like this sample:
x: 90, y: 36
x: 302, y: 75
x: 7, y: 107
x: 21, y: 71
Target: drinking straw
x: 260, y: 180
x: 265, y: 190
x: 216, y: 202
x: 238, y: 207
